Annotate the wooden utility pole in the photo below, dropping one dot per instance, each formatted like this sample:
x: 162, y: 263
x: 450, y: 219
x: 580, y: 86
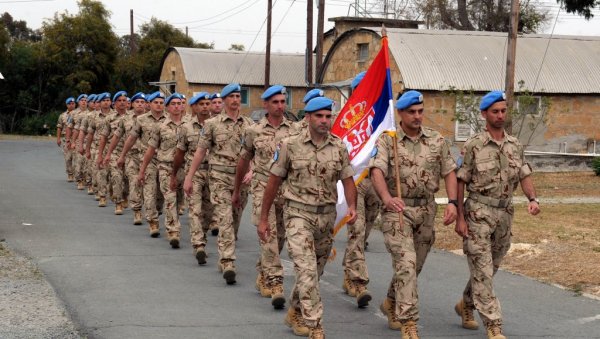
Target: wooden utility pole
x: 309, y: 42
x: 511, y: 53
x: 268, y: 54
x: 131, y: 37
x: 320, y: 24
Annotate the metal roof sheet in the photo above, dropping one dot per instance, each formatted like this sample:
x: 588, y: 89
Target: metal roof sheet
x: 438, y: 60
x: 247, y: 68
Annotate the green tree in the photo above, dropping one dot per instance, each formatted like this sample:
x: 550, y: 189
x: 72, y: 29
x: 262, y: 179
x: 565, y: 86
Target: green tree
x: 580, y: 7
x: 18, y: 28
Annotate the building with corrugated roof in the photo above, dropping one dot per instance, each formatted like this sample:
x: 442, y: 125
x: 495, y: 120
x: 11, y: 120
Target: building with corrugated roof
x: 192, y: 70
x: 563, y: 71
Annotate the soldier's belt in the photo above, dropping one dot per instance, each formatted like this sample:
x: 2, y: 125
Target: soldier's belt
x: 261, y: 177
x: 224, y: 169
x: 493, y: 202
x: 311, y: 208
x: 416, y: 202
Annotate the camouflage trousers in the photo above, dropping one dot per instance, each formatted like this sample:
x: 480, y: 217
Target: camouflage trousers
x: 309, y: 238
x: 227, y: 217
x: 93, y: 169
x: 269, y: 262
x: 367, y: 208
x: 487, y: 244
x: 172, y: 224
x: 68, y: 155
x: 200, y: 212
x: 102, y: 178
x: 409, y: 250
x: 117, y: 180
x: 132, y: 169
x: 153, y: 198
x: 79, y: 165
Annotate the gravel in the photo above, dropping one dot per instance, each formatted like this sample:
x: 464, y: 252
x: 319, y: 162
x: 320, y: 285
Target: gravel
x: 29, y: 307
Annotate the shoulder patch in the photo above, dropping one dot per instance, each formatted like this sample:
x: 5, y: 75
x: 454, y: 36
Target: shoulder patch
x: 374, y: 152
x: 459, y: 160
x: 276, y: 154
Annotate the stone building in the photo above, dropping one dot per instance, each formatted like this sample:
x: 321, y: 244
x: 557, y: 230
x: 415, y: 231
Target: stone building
x: 561, y: 73
x: 192, y: 70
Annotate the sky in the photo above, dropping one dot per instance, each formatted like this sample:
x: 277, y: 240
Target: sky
x: 244, y: 21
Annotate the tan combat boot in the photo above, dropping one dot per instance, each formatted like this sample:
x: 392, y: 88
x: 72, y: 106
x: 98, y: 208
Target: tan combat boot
x: 97, y: 197
x: 294, y: 320
x: 125, y: 203
x: 174, y: 241
x: 316, y: 332
x: 90, y: 190
x: 363, y: 296
x: 277, y: 296
x: 70, y: 178
x: 261, y: 286
x: 348, y: 286
x: 409, y: 330
x: 118, y: 209
x: 201, y: 255
x: 102, y: 202
x: 494, y: 331
x: 466, y: 313
x: 137, y: 217
x: 388, y: 308
x: 80, y: 185
x: 154, y: 228
x: 229, y: 272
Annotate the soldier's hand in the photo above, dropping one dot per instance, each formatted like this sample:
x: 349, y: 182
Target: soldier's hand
x: 173, y: 183
x: 351, y: 215
x: 121, y: 162
x: 235, y: 199
x: 247, y: 178
x: 461, y: 227
x: 99, y: 162
x: 140, y: 179
x: 88, y: 154
x: 58, y: 142
x: 81, y: 151
x: 106, y: 161
x: 533, y: 208
x: 394, y: 204
x: 449, y: 214
x: 263, y: 231
x: 188, y: 186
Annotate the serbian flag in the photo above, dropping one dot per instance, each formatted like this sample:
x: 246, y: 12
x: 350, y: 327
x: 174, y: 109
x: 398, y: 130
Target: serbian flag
x: 368, y: 112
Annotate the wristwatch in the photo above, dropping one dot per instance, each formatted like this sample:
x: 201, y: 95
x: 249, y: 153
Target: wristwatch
x: 534, y: 199
x: 453, y: 202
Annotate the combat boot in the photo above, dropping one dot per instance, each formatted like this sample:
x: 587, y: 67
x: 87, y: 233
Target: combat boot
x: 201, y: 256
x: 277, y: 296
x: 97, y: 196
x: 466, y: 313
x: 409, y: 330
x: 137, y: 217
x: 214, y: 231
x: 348, y: 286
x: 90, y: 190
x: 494, y: 331
x: 70, y: 178
x: 80, y: 185
x: 154, y: 228
x: 294, y: 320
x: 118, y: 209
x: 174, y: 241
x: 102, y: 202
x: 363, y: 296
x: 125, y: 203
x: 229, y: 272
x: 261, y: 286
x: 316, y: 332
x: 388, y: 308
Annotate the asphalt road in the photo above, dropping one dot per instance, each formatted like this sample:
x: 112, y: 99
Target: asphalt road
x: 117, y: 282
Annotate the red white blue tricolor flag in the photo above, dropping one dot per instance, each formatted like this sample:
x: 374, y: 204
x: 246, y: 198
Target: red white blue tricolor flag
x: 368, y: 112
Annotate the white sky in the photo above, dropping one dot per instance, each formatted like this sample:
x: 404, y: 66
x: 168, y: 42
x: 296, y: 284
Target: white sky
x: 242, y: 21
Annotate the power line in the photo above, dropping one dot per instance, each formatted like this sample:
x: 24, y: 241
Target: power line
x: 545, y: 52
x: 229, y: 16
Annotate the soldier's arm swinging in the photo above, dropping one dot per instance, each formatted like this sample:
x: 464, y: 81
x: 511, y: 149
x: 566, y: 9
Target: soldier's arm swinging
x: 177, y: 162
x: 198, y: 158
x: 461, y: 227
x: 391, y: 203
x: 81, y: 139
x: 451, y: 211
x: 350, y: 193
x: 101, y: 146
x: 268, y: 198
x: 128, y: 144
x: 111, y: 147
x: 240, y: 172
x: 88, y: 143
x: 527, y: 185
x: 147, y: 158
x: 58, y: 131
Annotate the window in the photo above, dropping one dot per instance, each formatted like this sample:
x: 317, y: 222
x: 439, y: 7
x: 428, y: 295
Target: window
x: 529, y: 105
x: 288, y: 99
x: 468, y: 118
x: 363, y: 52
x: 245, y: 96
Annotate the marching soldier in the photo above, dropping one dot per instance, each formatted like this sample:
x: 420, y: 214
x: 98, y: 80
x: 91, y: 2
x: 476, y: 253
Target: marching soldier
x: 93, y: 141
x: 78, y: 159
x: 62, y: 132
x: 216, y: 104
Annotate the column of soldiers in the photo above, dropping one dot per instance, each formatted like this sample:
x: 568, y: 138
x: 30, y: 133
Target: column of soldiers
x: 216, y: 155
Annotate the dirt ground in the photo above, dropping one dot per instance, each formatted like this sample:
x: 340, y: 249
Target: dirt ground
x: 561, y: 245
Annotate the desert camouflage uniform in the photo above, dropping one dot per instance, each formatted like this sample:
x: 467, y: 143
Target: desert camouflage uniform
x: 260, y: 141
x: 117, y: 175
x: 164, y: 140
x: 491, y: 171
x: 133, y: 160
x: 222, y: 137
x: 309, y: 189
x: 78, y: 159
x: 143, y: 128
x: 65, y: 119
x: 423, y: 162
x: 102, y: 174
x: 200, y: 212
x: 90, y: 178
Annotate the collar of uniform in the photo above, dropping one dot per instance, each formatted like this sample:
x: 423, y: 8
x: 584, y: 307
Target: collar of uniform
x: 162, y: 116
x: 488, y: 138
x: 422, y: 133
x: 168, y: 120
x: 264, y: 122
x: 224, y: 116
x: 306, y: 137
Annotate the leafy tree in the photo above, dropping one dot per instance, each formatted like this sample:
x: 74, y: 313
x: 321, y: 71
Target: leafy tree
x: 581, y: 7
x: 237, y: 47
x: 18, y: 29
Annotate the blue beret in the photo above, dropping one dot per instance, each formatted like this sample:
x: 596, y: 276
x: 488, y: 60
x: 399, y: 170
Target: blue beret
x: 231, y: 88
x: 408, y: 99
x: 273, y: 90
x: 215, y: 95
x: 69, y: 100
x: 81, y: 96
x: 313, y: 93
x: 173, y: 96
x: 317, y: 104
x: 91, y: 97
x: 199, y: 96
x: 157, y: 94
x: 103, y: 96
x: 119, y: 94
x: 357, y: 79
x: 138, y: 95
x: 491, y: 98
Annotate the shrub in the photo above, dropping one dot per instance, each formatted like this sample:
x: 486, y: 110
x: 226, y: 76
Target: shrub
x: 596, y: 165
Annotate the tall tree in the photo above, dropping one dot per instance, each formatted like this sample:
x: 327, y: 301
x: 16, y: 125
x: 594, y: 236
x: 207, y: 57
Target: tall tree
x: 580, y: 7
x: 18, y: 29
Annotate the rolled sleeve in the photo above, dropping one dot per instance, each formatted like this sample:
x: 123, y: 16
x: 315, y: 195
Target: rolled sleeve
x: 280, y: 163
x: 206, y: 136
x: 248, y: 146
x: 466, y: 169
x: 381, y: 158
x: 182, y: 139
x: 347, y: 170
x: 154, y: 140
x: 448, y: 164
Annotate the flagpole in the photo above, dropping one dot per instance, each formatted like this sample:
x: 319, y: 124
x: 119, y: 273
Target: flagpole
x: 396, y: 160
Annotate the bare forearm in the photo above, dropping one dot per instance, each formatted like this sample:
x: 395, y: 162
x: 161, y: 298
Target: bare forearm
x: 269, y: 196
x: 451, y: 185
x: 113, y: 144
x: 350, y: 192
x: 527, y: 186
x: 178, y: 160
x: 198, y: 158
x: 147, y: 158
x: 240, y: 171
x: 460, y: 196
x: 379, y: 184
x: 128, y: 144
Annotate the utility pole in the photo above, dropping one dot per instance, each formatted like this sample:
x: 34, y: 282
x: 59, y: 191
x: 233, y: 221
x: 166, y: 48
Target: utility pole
x: 511, y: 53
x: 131, y: 37
x: 320, y: 24
x: 268, y: 54
x: 186, y: 31
x: 309, y: 42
